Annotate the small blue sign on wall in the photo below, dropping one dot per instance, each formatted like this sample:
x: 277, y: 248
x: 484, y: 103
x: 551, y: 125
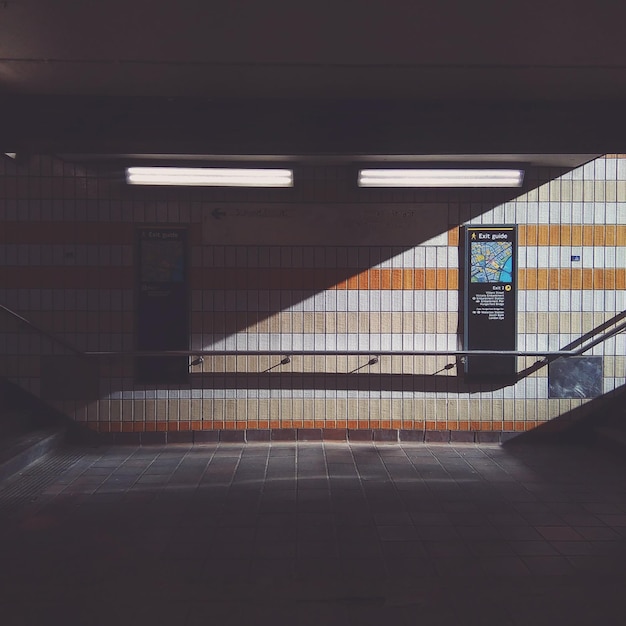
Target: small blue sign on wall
x: 575, y: 257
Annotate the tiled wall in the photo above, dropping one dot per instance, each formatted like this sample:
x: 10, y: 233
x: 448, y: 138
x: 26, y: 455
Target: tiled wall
x: 324, y: 266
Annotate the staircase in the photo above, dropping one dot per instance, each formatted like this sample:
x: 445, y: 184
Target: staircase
x: 28, y: 430
x: 608, y: 429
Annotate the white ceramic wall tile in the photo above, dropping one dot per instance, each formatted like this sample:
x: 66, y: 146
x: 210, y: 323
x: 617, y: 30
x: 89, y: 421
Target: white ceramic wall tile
x: 587, y: 170
x: 341, y: 299
x: 385, y: 343
x: 420, y: 257
x: 543, y: 257
x: 430, y: 301
x: 543, y: 215
x: 554, y: 213
x: 588, y: 301
x: 397, y: 342
x: 330, y: 342
x: 441, y: 302
x: 431, y: 257
x: 610, y: 301
x: 566, y: 213
x: 510, y: 214
x: 419, y: 301
x: 577, y: 212
x: 385, y: 300
x: 576, y: 300
x: 542, y: 387
x: 353, y: 301
x: 589, y: 213
x: 532, y: 212
x: 555, y: 342
x: 599, y: 301
x: 527, y: 301
x: 599, y: 257
x: 396, y: 300
x: 586, y: 201
x: 453, y: 302
x: 600, y: 213
x: 554, y: 300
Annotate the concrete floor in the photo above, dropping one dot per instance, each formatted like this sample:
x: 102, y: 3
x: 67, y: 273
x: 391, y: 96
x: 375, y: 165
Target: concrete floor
x: 315, y: 533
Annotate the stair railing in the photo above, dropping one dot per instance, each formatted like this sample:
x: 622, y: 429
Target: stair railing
x: 587, y: 341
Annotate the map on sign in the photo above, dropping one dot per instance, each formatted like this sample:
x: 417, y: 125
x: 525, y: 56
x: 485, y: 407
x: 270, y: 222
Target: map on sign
x: 162, y: 261
x: 491, y: 262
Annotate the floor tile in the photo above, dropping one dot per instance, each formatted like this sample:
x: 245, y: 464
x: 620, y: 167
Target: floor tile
x: 399, y: 533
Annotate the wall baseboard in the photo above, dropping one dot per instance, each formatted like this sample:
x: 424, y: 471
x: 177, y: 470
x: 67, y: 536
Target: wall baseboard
x: 251, y: 435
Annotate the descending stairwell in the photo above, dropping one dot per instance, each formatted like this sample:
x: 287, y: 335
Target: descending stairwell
x: 28, y: 431
x: 604, y: 426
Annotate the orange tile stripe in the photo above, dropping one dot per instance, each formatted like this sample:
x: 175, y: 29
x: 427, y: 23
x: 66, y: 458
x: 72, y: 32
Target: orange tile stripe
x: 398, y: 279
x: 319, y: 279
x: 70, y: 277
x: 533, y: 279
x: 186, y: 425
x: 122, y: 233
x: 561, y: 235
x: 84, y: 233
x: 66, y: 277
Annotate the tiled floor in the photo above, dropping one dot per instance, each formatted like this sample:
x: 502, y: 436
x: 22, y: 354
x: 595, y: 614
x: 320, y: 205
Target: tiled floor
x: 316, y: 533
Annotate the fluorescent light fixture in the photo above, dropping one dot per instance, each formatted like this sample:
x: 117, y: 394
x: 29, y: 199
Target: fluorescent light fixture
x: 209, y: 176
x: 441, y: 178
x: 11, y: 155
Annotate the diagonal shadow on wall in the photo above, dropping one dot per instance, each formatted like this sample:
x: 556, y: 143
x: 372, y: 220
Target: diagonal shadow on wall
x: 263, y: 259
x: 336, y: 235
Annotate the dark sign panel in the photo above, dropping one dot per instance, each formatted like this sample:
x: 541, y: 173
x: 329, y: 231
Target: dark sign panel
x: 162, y: 304
x: 490, y: 305
x: 575, y: 377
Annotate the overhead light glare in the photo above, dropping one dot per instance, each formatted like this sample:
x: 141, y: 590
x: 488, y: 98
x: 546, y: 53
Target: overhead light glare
x: 11, y: 155
x: 441, y: 178
x: 210, y: 176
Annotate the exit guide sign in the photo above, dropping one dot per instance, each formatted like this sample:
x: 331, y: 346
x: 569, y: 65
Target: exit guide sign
x: 490, y: 299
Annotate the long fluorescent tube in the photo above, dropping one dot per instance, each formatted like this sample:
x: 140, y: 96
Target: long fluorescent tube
x: 441, y: 178
x: 209, y: 176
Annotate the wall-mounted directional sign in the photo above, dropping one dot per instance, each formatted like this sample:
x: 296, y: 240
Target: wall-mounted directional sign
x: 162, y: 304
x: 490, y: 303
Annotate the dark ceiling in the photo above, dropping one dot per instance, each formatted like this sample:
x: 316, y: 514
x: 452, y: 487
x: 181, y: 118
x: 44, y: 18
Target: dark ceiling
x: 313, y: 78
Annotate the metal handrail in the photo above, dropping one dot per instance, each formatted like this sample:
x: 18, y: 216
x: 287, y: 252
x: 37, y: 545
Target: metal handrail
x: 290, y: 353
x: 43, y: 332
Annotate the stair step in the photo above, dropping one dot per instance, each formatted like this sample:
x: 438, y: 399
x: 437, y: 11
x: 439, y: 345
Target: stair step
x: 17, y: 451
x: 13, y: 421
x: 612, y: 439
